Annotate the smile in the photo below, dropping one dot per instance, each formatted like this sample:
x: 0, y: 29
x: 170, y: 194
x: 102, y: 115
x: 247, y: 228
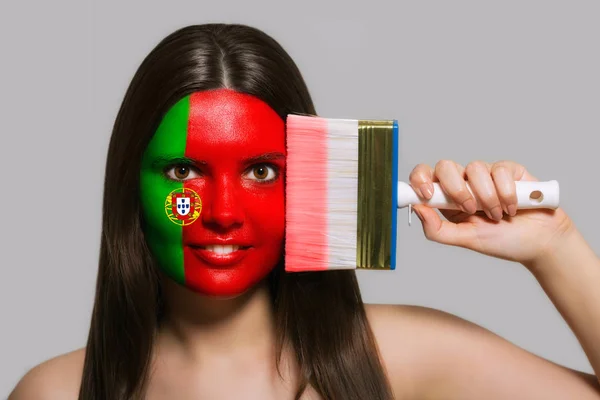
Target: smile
x: 223, y: 249
x: 221, y: 255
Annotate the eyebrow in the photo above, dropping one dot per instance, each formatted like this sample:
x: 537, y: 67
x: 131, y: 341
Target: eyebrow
x: 162, y: 161
x: 265, y: 157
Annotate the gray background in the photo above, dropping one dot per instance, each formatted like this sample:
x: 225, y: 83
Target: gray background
x: 466, y: 79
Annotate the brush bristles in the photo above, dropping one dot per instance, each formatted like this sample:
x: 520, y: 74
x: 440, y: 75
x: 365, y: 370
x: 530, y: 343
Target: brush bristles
x: 342, y: 212
x: 321, y: 193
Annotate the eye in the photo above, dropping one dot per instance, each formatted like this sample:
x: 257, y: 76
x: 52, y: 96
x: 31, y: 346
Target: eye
x: 181, y: 172
x: 263, y: 173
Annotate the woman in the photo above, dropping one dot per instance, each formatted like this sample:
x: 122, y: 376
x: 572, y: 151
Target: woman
x: 205, y: 312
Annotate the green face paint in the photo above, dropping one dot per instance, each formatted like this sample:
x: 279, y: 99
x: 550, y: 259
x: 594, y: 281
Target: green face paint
x: 163, y: 236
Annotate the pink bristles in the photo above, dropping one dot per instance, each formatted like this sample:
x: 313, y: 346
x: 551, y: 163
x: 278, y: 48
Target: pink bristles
x: 321, y: 194
x: 306, y: 221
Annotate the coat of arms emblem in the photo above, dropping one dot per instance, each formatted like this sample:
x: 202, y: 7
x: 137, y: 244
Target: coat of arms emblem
x: 183, y: 206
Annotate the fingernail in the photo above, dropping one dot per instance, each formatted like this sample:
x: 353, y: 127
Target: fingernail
x: 496, y: 213
x: 512, y: 210
x: 426, y: 191
x: 470, y: 206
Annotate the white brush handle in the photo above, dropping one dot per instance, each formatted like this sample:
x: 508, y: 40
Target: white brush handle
x: 530, y: 194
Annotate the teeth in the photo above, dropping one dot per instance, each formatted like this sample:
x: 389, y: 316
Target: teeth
x: 218, y: 249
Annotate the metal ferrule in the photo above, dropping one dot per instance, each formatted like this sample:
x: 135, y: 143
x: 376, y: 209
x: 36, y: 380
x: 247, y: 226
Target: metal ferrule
x: 377, y: 170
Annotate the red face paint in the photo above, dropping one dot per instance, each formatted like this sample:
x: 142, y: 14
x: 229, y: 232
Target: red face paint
x: 236, y: 146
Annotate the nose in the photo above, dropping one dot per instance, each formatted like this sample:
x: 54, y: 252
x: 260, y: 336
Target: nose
x: 224, y: 209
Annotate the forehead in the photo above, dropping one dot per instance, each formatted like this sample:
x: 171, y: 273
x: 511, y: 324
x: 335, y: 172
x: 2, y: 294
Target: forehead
x: 225, y: 117
x: 217, y: 123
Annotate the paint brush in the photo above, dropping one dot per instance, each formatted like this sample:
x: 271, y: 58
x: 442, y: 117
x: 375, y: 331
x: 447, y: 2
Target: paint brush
x: 343, y: 193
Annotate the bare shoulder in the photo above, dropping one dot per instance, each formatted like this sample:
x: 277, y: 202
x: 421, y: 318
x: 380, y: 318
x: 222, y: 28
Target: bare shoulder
x: 410, y: 330
x: 57, y: 378
x: 418, y: 344
x: 405, y: 335
x: 391, y: 322
x: 432, y: 354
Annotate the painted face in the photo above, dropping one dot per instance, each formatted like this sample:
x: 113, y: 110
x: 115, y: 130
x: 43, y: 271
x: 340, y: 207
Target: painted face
x: 229, y: 149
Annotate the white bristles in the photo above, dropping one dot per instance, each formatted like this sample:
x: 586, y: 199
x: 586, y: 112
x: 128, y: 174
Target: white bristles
x: 342, y: 173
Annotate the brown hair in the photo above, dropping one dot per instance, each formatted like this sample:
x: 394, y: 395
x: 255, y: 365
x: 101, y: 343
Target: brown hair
x: 320, y: 314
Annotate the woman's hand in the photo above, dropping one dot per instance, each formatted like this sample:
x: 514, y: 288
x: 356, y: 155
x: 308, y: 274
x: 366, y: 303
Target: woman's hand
x: 499, y: 230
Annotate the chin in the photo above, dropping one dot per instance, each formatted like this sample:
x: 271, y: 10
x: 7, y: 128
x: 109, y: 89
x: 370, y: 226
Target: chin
x: 228, y: 283
x: 224, y: 290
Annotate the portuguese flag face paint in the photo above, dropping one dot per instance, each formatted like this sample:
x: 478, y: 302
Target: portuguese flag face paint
x: 212, y: 192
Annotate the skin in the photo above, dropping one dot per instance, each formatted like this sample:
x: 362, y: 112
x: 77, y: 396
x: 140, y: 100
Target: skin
x: 428, y: 354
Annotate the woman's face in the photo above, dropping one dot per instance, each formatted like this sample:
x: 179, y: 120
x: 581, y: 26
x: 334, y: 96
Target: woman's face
x: 229, y: 149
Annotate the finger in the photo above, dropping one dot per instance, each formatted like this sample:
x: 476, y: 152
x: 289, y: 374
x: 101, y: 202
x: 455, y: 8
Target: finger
x: 452, y: 181
x: 516, y: 170
x: 421, y: 179
x: 484, y: 189
x: 445, y: 232
x: 505, y: 188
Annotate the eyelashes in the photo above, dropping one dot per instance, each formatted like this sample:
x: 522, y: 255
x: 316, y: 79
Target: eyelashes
x: 261, y: 173
x: 264, y: 172
x: 181, y: 172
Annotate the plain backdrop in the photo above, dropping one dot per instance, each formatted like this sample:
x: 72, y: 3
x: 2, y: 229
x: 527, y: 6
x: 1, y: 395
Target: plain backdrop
x: 467, y: 80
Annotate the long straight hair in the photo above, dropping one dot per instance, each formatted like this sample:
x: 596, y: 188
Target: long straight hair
x: 320, y: 315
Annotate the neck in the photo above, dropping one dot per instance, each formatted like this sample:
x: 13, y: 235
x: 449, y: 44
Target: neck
x: 202, y: 325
